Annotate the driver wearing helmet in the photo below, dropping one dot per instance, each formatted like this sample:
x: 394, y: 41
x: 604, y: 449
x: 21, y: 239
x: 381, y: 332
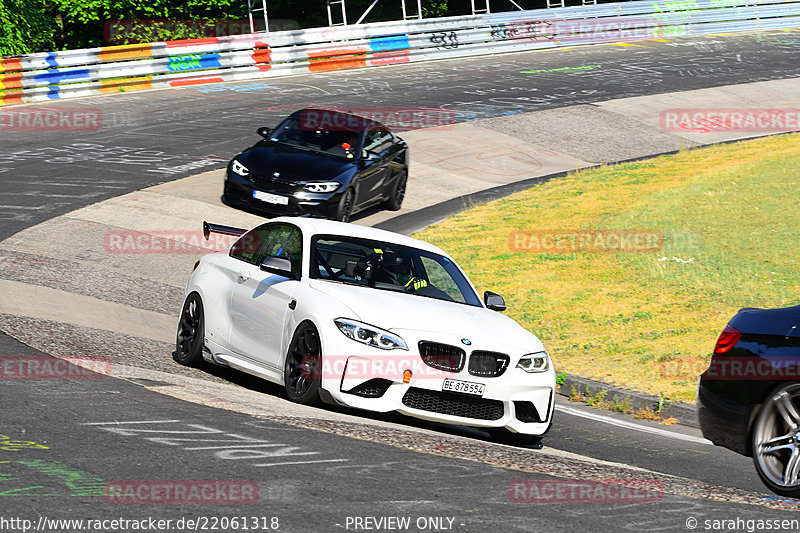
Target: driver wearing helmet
x: 397, y: 271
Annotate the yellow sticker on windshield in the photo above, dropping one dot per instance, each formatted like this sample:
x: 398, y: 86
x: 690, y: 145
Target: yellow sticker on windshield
x: 378, y: 250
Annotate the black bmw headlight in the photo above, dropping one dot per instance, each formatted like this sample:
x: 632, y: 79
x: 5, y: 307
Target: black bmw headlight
x: 238, y: 168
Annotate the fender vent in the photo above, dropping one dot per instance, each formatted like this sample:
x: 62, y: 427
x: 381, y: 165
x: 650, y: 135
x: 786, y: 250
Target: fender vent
x: 373, y: 388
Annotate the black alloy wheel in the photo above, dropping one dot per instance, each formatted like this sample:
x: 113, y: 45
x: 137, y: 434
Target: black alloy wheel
x: 303, y: 366
x: 346, y: 205
x: 191, y: 331
x: 399, y: 192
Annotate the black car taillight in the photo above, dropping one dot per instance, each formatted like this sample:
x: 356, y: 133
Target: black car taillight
x: 727, y: 339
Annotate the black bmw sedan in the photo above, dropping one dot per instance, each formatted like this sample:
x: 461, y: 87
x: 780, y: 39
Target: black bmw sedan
x: 749, y: 398
x: 319, y: 163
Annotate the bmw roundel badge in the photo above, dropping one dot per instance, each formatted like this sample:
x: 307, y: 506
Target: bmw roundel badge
x: 466, y: 342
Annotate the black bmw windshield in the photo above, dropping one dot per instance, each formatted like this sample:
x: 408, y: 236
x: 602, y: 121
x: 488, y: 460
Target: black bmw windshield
x: 299, y: 132
x: 390, y: 267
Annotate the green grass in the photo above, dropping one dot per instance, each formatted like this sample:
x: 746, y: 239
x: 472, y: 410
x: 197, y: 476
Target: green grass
x: 628, y: 318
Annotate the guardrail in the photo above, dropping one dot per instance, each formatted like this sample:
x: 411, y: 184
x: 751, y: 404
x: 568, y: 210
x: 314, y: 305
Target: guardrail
x: 72, y: 73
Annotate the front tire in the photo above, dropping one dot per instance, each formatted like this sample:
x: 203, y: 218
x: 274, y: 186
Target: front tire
x: 776, y: 441
x: 398, y: 193
x: 191, y: 332
x: 302, y: 370
x: 346, y: 205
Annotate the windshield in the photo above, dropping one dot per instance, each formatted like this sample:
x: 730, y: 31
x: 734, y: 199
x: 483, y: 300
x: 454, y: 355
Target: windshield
x: 339, y: 141
x: 390, y: 267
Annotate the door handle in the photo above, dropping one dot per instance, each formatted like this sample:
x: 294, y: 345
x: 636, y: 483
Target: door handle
x: 243, y: 276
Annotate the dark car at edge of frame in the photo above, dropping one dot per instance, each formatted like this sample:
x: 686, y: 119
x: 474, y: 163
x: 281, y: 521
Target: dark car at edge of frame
x: 319, y: 163
x: 748, y: 399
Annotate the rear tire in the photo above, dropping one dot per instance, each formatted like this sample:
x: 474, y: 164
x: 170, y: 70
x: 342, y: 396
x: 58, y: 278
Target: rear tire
x: 776, y: 441
x: 191, y: 332
x: 303, y: 366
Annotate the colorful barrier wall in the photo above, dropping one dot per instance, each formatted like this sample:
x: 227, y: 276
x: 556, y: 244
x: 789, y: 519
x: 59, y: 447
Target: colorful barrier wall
x: 53, y: 75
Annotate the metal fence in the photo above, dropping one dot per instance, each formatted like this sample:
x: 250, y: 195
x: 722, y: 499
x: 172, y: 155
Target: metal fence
x: 53, y: 75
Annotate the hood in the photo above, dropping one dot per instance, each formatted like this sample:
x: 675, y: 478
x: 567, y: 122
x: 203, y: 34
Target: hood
x: 268, y: 157
x: 396, y: 312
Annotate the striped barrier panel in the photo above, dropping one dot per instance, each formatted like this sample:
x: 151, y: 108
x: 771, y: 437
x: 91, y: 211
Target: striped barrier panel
x: 72, y: 73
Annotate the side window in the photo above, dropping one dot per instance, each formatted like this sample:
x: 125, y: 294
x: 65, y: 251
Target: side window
x: 440, y: 279
x: 377, y: 140
x: 331, y: 258
x: 284, y: 241
x: 248, y: 246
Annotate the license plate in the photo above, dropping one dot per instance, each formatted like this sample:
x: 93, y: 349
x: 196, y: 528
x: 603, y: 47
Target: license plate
x: 465, y: 387
x: 270, y: 198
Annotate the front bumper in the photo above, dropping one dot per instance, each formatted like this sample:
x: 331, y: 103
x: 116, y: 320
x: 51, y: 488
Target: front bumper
x: 238, y: 191
x: 372, y: 379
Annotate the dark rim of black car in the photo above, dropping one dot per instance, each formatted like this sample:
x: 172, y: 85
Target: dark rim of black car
x: 400, y: 191
x: 776, y: 440
x: 303, y: 362
x: 346, y: 209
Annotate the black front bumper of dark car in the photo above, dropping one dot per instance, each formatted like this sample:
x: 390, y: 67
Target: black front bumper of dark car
x: 238, y: 191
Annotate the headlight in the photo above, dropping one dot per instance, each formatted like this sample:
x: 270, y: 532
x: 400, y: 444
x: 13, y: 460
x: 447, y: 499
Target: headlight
x: 534, y: 362
x: 370, y: 335
x: 327, y: 186
x: 239, y: 168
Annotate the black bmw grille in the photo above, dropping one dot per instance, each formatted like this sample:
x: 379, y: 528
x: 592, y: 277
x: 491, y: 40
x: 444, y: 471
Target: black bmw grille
x: 272, y: 183
x: 374, y: 388
x: 442, y: 356
x: 488, y: 364
x: 453, y: 404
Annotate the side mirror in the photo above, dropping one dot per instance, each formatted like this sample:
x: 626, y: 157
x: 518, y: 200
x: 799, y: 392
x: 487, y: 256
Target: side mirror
x: 264, y: 132
x: 369, y: 155
x: 279, y: 266
x: 494, y: 301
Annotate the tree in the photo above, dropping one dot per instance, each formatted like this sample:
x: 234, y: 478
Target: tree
x: 25, y: 27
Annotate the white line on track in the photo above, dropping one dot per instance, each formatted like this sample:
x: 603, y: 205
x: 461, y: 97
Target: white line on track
x: 304, y: 462
x: 132, y: 422
x: 631, y: 425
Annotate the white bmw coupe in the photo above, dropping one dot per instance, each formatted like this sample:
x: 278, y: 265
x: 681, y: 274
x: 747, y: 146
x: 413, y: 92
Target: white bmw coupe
x: 365, y: 318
